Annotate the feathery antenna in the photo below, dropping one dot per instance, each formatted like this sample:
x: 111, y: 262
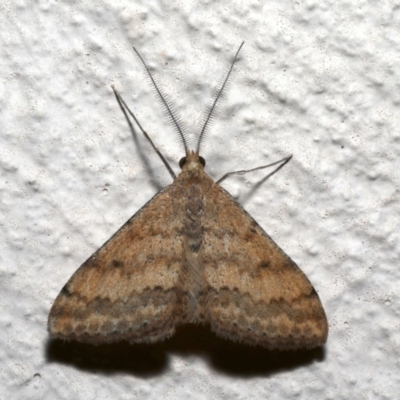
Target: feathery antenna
x: 218, y: 96
x: 164, y: 101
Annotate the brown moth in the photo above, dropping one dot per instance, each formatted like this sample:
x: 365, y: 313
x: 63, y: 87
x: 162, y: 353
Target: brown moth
x: 192, y: 254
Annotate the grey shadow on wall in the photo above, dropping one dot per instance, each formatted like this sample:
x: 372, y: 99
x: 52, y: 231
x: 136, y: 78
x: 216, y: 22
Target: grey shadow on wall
x: 146, y: 360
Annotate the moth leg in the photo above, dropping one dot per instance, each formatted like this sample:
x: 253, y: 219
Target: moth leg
x: 245, y: 171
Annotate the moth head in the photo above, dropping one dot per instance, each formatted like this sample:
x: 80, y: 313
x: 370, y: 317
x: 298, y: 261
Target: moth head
x: 192, y: 161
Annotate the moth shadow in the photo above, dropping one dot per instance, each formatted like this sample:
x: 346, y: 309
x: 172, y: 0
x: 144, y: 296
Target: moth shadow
x: 147, y: 360
x: 137, y: 359
x: 239, y: 360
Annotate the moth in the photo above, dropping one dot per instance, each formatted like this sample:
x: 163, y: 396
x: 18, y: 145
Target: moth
x: 191, y: 255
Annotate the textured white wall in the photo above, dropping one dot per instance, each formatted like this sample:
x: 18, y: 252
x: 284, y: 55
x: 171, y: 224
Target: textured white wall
x: 319, y: 79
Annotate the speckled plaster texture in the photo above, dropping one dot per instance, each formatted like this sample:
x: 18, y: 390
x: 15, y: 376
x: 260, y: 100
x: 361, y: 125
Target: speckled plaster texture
x: 318, y: 79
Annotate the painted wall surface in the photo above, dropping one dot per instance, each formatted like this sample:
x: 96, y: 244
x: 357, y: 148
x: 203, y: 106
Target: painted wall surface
x: 316, y: 79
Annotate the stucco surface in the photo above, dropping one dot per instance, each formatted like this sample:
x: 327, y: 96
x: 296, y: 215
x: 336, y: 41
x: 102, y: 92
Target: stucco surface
x: 316, y: 79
